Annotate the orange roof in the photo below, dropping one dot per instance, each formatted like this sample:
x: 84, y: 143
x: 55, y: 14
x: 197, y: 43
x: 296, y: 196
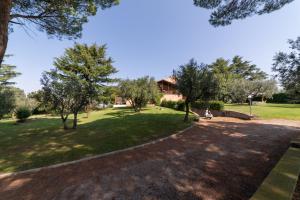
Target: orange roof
x: 169, y: 79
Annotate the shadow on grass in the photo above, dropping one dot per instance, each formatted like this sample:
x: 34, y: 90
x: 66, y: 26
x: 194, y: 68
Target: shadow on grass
x: 43, y: 142
x: 215, y: 160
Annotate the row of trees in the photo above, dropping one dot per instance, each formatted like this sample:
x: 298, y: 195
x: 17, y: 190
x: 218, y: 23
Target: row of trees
x: 222, y: 80
x: 82, y: 76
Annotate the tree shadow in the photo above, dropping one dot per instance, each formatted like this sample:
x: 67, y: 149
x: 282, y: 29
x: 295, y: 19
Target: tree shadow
x: 215, y: 160
x: 43, y: 142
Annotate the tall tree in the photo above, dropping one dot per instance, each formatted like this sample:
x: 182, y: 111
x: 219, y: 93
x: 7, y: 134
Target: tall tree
x: 59, y: 18
x: 224, y: 11
x: 87, y: 68
x: 8, y: 94
x: 189, y: 80
x: 244, y: 69
x: 7, y: 72
x: 287, y: 66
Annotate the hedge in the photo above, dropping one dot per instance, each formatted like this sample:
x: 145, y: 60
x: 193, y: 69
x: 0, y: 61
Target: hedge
x: 177, y: 105
x: 212, y: 105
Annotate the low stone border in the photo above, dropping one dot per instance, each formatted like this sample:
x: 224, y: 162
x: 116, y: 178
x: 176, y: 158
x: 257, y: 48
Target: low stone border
x: 280, y: 184
x: 224, y: 113
x: 5, y: 175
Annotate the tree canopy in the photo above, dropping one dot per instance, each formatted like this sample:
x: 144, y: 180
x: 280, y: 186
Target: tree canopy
x: 79, y: 77
x: 58, y: 18
x: 7, y: 72
x: 224, y: 11
x: 191, y: 82
x: 287, y: 66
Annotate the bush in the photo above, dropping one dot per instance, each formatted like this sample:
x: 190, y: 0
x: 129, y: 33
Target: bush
x: 22, y: 113
x: 212, y: 105
x: 168, y: 104
x: 180, y: 105
x: 279, y: 98
x: 177, y: 105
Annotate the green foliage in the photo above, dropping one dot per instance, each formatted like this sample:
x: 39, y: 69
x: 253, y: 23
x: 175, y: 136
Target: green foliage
x: 224, y: 12
x: 7, y: 72
x: 194, y: 81
x: 41, y: 106
x: 7, y: 101
x: 212, y: 105
x: 288, y: 71
x: 227, y: 75
x: 22, y: 113
x: 180, y: 105
x: 244, y: 69
x: 139, y: 92
x: 8, y: 95
x: 279, y: 98
x: 177, y: 105
x: 57, y: 17
x: 78, y: 79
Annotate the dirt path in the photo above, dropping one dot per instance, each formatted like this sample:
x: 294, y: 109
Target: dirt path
x: 218, y: 159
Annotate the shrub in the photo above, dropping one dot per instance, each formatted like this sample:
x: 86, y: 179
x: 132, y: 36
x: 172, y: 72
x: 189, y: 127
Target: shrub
x: 216, y: 105
x: 177, y: 105
x: 279, y: 98
x: 180, y: 106
x: 212, y: 105
x: 22, y: 113
x: 168, y: 104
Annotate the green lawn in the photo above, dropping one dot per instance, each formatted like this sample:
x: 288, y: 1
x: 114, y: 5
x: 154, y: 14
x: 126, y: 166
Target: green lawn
x: 41, y: 141
x: 269, y: 111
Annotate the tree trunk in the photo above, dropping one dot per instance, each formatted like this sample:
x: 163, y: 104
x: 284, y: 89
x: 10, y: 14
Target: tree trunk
x: 187, y: 111
x: 5, y: 7
x: 64, y: 120
x: 75, y: 121
x: 65, y: 124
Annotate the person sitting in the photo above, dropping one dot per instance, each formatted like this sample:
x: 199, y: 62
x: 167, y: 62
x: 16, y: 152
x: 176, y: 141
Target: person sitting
x: 208, y: 114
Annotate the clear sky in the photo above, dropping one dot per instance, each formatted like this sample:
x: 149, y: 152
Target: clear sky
x: 152, y: 37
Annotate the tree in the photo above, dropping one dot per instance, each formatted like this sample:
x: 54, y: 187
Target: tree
x: 287, y: 66
x: 264, y: 89
x: 84, y: 70
x: 225, y: 72
x: 58, y: 18
x: 139, y: 92
x: 7, y: 101
x: 224, y: 12
x: 40, y: 106
x: 189, y: 81
x: 239, y: 89
x: 246, y: 70
x: 7, y: 72
x: 7, y: 93
x: 61, y: 94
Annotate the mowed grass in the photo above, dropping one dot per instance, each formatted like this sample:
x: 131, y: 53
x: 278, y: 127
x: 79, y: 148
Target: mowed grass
x: 269, y: 111
x: 41, y: 141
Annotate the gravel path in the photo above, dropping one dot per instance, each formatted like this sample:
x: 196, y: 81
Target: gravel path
x: 218, y: 159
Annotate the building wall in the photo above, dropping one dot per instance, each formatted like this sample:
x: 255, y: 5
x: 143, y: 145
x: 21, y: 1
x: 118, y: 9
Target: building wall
x: 172, y: 97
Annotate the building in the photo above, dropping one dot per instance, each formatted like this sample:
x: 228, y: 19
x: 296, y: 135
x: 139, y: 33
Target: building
x: 168, y: 89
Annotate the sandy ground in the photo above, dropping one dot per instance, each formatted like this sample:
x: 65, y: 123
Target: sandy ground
x: 218, y: 159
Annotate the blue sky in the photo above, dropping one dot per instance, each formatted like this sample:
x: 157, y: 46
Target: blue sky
x: 152, y: 37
